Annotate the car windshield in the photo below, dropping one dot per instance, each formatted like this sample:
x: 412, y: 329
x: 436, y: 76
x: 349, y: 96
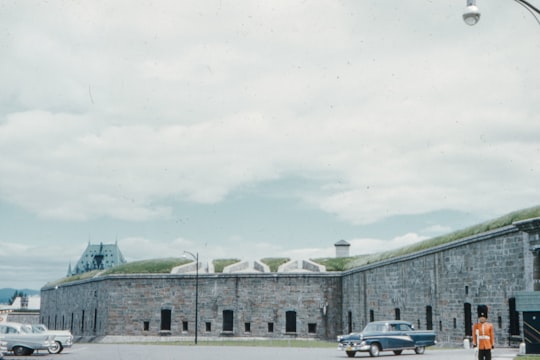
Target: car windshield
x: 374, y: 328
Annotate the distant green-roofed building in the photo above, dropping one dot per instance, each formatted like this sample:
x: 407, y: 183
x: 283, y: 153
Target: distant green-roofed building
x: 98, y: 257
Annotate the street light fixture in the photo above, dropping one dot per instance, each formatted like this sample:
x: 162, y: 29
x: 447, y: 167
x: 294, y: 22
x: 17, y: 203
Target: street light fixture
x: 196, y: 258
x: 472, y: 14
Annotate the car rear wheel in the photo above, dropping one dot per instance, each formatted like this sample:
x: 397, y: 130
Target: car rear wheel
x: 350, y: 353
x: 22, y: 351
x: 56, y: 348
x: 398, y: 352
x: 374, y: 350
x: 420, y: 349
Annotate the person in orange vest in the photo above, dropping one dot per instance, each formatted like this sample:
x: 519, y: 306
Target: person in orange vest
x: 483, y: 334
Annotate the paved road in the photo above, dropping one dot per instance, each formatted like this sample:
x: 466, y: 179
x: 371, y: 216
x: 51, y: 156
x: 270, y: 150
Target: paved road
x: 81, y: 351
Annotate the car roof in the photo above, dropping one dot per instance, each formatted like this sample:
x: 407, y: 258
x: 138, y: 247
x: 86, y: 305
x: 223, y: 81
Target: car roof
x: 14, y: 324
x: 390, y: 322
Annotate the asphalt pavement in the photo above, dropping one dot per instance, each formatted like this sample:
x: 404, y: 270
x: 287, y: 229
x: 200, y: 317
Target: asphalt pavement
x: 82, y: 351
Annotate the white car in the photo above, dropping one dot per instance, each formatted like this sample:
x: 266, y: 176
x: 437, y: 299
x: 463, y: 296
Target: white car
x: 22, y: 341
x: 62, y: 338
x: 3, y: 348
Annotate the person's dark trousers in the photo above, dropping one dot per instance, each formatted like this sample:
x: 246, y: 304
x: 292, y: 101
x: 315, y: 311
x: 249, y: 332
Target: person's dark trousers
x: 484, y: 354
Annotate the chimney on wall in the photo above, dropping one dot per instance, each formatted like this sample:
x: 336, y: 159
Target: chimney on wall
x: 342, y: 248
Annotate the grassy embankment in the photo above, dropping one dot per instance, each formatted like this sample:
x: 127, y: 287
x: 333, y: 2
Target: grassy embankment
x: 163, y: 266
x: 342, y: 264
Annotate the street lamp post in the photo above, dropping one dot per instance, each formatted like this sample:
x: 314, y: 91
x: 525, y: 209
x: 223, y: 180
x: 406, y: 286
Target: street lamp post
x: 472, y: 13
x: 196, y: 258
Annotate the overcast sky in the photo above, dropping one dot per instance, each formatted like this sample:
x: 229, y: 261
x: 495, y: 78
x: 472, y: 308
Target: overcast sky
x: 250, y: 129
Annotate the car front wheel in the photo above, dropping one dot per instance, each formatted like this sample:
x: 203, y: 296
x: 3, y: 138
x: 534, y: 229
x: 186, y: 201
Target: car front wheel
x: 374, y: 350
x: 56, y: 348
x: 419, y: 349
x: 22, y: 351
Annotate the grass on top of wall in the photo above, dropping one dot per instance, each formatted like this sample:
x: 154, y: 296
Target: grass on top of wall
x: 221, y: 264
x: 274, y: 263
x: 341, y: 264
x: 83, y: 276
x: 152, y: 266
x: 157, y: 266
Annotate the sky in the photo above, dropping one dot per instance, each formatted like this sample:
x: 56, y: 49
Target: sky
x: 252, y: 129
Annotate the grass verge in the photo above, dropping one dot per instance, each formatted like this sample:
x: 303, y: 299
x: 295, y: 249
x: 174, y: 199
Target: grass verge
x: 293, y: 343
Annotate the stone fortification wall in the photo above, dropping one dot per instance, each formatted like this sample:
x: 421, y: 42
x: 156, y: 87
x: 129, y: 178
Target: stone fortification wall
x: 133, y: 305
x: 438, y: 289
x: 432, y: 288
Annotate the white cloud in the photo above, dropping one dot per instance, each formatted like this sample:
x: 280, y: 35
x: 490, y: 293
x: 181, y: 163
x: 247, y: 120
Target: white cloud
x: 32, y: 266
x: 371, y: 246
x: 122, y: 110
x: 437, y: 229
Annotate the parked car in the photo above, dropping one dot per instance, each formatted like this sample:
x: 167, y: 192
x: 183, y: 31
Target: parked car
x: 62, y: 338
x: 22, y: 341
x: 391, y: 335
x: 3, y: 348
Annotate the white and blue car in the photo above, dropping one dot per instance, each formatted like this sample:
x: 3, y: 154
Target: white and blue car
x: 390, y: 335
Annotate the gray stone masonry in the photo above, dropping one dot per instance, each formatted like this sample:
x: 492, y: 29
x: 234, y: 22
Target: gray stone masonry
x: 438, y: 288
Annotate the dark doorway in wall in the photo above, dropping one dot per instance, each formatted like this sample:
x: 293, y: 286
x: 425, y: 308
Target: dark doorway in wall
x: 514, y: 318
x: 228, y: 320
x: 165, y: 319
x: 429, y: 317
x: 290, y: 321
x: 82, y: 323
x: 468, y: 319
x: 95, y: 321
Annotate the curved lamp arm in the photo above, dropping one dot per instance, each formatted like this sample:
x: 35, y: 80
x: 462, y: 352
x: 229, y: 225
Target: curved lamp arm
x: 471, y: 15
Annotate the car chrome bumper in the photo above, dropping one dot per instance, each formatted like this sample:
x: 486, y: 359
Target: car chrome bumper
x: 361, y: 347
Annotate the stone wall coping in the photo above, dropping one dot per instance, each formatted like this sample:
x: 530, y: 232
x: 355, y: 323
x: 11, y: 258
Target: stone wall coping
x: 202, y: 276
x: 527, y: 225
